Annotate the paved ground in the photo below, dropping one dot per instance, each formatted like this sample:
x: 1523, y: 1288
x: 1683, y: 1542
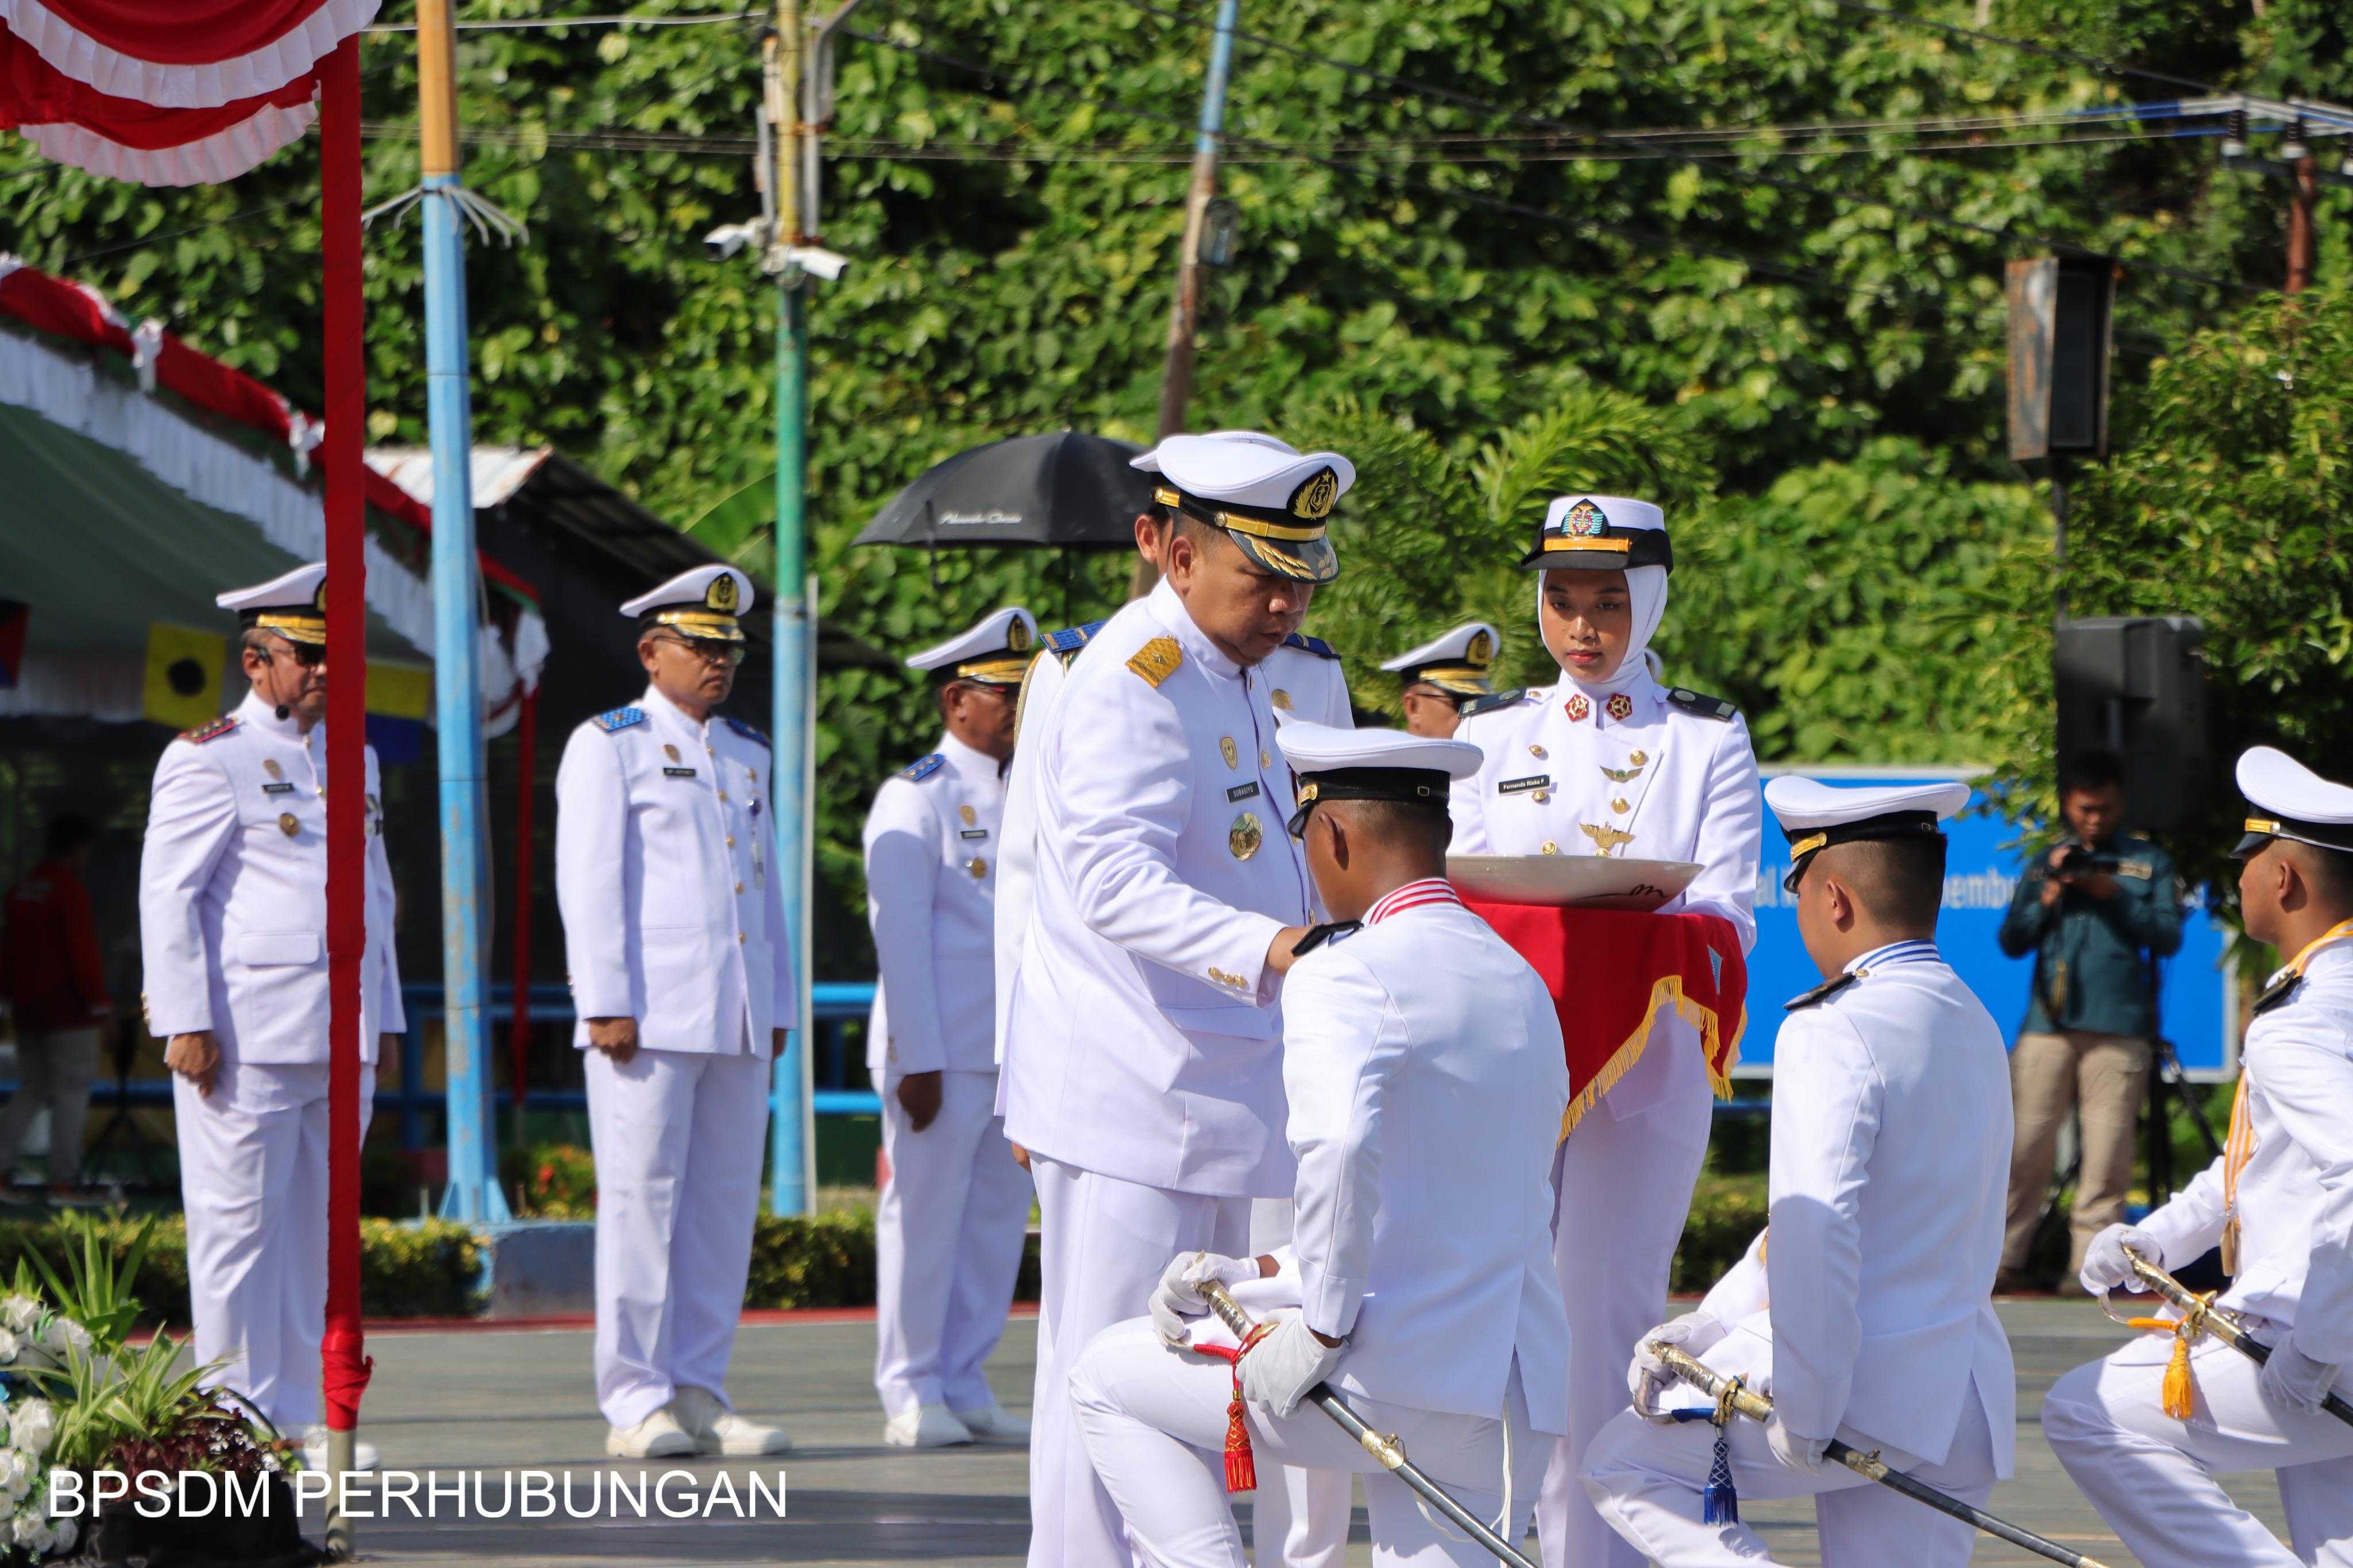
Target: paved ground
x: 500, y: 1400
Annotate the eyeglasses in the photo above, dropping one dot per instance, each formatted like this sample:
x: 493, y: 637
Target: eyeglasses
x: 309, y: 655
x: 710, y: 650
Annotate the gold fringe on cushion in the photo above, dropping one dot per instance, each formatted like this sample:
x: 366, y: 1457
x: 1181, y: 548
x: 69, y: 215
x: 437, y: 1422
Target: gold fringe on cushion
x: 1666, y: 993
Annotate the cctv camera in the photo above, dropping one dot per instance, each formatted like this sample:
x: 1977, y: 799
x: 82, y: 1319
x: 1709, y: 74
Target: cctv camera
x: 727, y: 239
x: 818, y: 263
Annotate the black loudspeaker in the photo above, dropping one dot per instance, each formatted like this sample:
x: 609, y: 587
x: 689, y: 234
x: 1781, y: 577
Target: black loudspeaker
x: 2059, y: 338
x: 2136, y: 686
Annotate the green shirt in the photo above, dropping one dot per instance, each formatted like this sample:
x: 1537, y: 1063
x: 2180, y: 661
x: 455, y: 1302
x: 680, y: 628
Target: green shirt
x: 2089, y: 969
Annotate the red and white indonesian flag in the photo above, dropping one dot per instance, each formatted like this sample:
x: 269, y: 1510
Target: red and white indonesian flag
x: 167, y: 92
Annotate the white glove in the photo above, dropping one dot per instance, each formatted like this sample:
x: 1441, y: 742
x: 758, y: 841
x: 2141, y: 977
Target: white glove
x: 2293, y: 1379
x: 1694, y: 1334
x: 2105, y: 1266
x: 1179, y: 1295
x: 1796, y: 1453
x: 1281, y: 1368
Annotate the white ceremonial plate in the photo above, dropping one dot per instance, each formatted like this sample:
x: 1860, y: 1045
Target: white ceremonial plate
x: 1586, y: 882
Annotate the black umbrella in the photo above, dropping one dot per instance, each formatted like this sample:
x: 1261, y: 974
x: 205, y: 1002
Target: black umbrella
x: 1068, y: 489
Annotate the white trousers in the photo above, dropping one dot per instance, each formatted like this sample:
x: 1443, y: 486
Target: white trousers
x: 948, y: 1229
x: 253, y: 1179
x: 54, y: 1070
x: 2152, y: 1478
x: 1299, y: 1518
x: 680, y: 1137
x: 1154, y: 1423
x: 1625, y: 1191
x: 1105, y: 1244
x: 1646, y: 1481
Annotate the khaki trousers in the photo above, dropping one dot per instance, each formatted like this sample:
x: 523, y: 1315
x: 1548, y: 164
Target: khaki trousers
x: 2101, y: 1079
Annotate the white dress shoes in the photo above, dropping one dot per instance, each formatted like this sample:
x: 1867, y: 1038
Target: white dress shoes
x: 658, y: 1436
x: 992, y: 1423
x: 925, y: 1427
x: 719, y: 1430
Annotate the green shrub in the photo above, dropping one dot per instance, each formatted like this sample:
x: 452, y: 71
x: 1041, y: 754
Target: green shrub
x: 1726, y: 1214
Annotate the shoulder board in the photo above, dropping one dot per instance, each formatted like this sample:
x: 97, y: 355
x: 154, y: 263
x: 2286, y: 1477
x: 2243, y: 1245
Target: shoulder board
x: 1315, y: 646
x: 212, y: 732
x: 1706, y: 707
x: 748, y: 732
x: 1070, y: 639
x: 1493, y: 701
x: 1824, y: 992
x: 2278, y: 994
x: 1157, y: 660
x: 917, y: 771
x: 618, y: 719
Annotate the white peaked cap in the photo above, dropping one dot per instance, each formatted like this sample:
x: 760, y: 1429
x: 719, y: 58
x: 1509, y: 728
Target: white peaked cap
x: 2287, y: 800
x: 293, y: 604
x: 703, y: 602
x: 995, y: 648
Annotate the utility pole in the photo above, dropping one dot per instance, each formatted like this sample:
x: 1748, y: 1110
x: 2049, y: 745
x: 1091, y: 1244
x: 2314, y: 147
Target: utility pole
x: 1184, y: 310
x: 2302, y: 185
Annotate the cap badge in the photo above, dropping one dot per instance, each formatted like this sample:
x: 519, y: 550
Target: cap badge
x: 1584, y: 521
x: 1579, y: 707
x: 1606, y: 840
x: 1481, y: 648
x: 270, y: 765
x: 968, y: 814
x: 1016, y: 636
x: 1620, y: 706
x: 1245, y: 836
x: 722, y: 595
x: 1228, y: 749
x: 1315, y: 498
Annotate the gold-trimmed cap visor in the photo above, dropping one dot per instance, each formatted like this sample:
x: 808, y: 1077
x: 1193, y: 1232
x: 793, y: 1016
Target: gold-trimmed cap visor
x: 2262, y: 830
x: 1007, y: 671
x: 1461, y: 680
x: 1427, y: 786
x: 1806, y: 845
x: 292, y: 623
x: 1278, y: 543
x: 1612, y: 550
x: 697, y: 623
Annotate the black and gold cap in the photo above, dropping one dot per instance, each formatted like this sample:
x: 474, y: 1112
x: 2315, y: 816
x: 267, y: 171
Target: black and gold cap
x: 1814, y: 816
x: 293, y: 605
x: 2287, y: 800
x: 703, y: 602
x: 1329, y: 764
x: 996, y: 650
x: 1271, y: 498
x: 1599, y: 534
x: 1456, y: 663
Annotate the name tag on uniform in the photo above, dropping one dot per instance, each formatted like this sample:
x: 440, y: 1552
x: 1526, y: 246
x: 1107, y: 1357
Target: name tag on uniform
x: 678, y: 773
x: 973, y: 833
x: 1241, y: 791
x: 1521, y: 786
x: 283, y: 786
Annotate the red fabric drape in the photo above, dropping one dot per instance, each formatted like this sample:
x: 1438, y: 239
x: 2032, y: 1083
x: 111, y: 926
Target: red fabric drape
x: 345, y: 1368
x: 1612, y: 973
x: 184, y: 33
x: 35, y: 92
x: 526, y: 782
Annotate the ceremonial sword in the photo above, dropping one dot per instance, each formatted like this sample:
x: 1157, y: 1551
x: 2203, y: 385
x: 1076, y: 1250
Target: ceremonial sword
x: 2201, y: 1316
x: 1386, y: 1449
x: 1729, y: 1391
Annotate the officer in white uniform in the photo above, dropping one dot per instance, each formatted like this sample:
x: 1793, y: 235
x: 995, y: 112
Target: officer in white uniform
x: 1443, y: 675
x: 2280, y: 1206
x: 1609, y: 762
x: 1868, y: 1317
x: 233, y: 919
x: 1142, y: 1066
x: 951, y: 1219
x: 1425, y: 1079
x: 681, y: 975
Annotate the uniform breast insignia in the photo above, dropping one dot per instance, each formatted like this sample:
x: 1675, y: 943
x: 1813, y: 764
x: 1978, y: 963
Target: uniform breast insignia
x: 1315, y: 646
x: 212, y: 732
x: 972, y: 833
x: 1478, y: 705
x: 1245, y: 836
x: 1606, y: 840
x: 280, y: 786
x: 1578, y: 707
x: 1521, y: 786
x: 1065, y: 644
x: 1619, y: 707
x: 669, y: 751
x: 748, y: 732
x: 2278, y: 994
x: 1706, y: 707
x: 1281, y: 699
x: 618, y: 719
x: 1228, y: 749
x: 1157, y: 660
x: 1824, y: 992
x: 270, y: 765
x: 966, y: 815
x: 684, y: 773
x: 918, y: 771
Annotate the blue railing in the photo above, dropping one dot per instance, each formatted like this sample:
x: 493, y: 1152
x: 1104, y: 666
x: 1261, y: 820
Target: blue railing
x: 834, y: 1003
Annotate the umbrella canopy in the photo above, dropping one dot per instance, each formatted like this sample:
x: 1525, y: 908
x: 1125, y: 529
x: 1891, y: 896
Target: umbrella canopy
x: 1066, y: 489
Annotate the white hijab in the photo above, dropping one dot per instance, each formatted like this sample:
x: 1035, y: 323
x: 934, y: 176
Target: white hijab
x: 1646, y: 586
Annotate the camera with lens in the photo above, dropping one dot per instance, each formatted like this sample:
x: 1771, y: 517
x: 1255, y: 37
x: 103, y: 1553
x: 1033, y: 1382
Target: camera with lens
x: 2080, y: 861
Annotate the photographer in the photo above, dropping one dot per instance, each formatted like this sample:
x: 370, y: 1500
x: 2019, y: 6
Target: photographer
x: 2096, y: 912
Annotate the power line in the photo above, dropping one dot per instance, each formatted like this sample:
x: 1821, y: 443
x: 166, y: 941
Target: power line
x: 1746, y: 176
x: 2048, y: 51
x: 610, y: 19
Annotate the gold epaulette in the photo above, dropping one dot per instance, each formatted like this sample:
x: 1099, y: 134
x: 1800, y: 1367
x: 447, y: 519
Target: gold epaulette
x: 1157, y: 660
